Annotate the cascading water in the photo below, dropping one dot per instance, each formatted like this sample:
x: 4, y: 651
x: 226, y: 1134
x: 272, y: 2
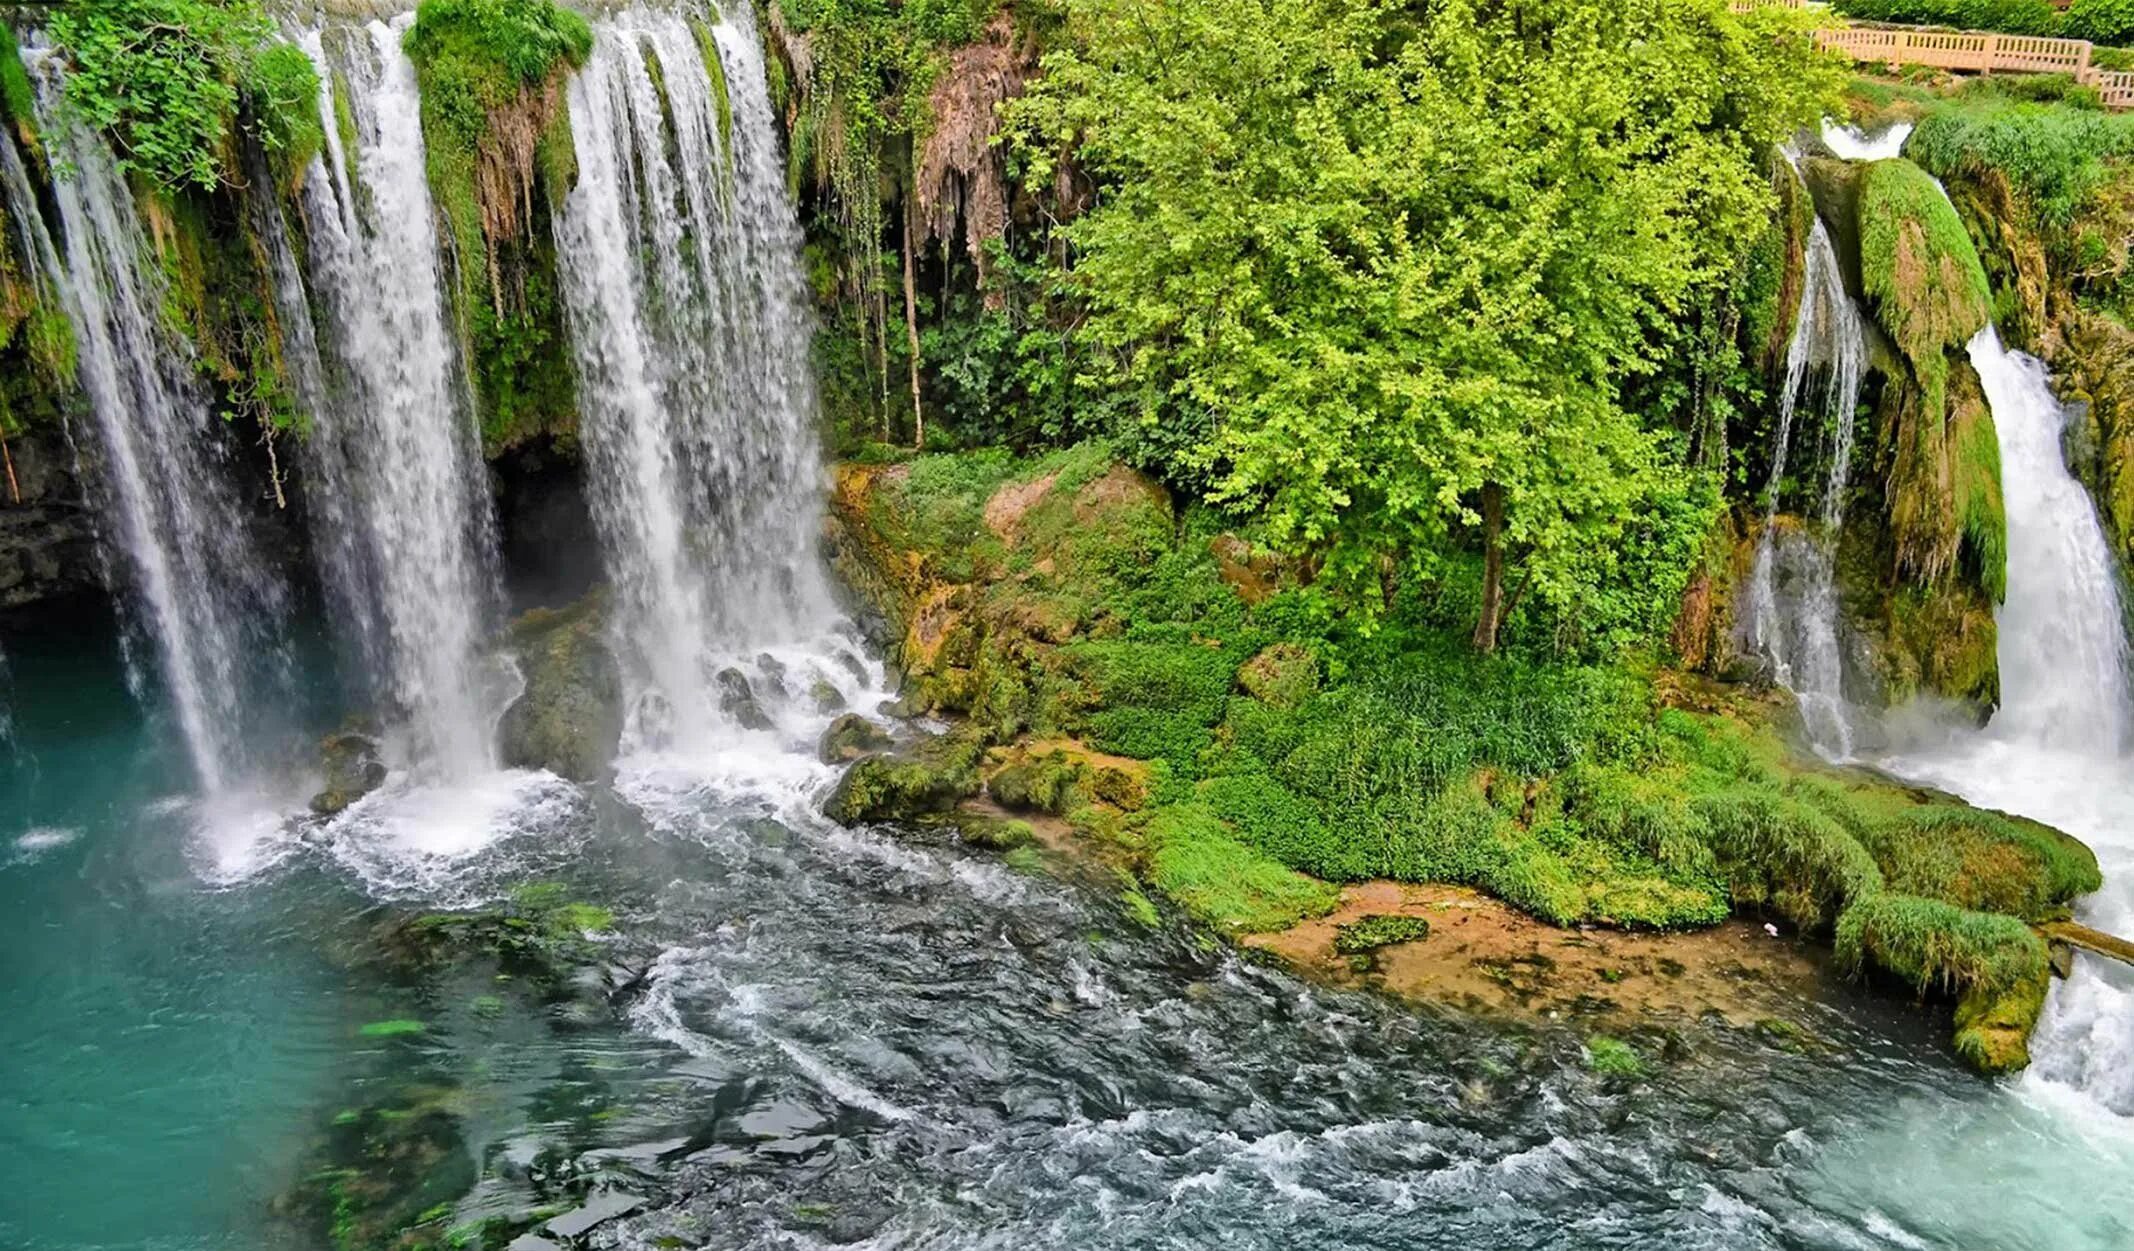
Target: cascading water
x: 1792, y: 604
x: 174, y: 526
x: 407, y: 537
x: 2055, y: 749
x: 680, y: 261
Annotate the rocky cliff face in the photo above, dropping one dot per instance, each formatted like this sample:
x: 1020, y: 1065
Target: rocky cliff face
x: 47, y: 536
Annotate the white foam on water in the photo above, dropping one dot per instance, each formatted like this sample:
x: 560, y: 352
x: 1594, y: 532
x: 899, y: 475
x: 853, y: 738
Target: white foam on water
x: 1853, y: 144
x: 415, y: 840
x: 36, y: 841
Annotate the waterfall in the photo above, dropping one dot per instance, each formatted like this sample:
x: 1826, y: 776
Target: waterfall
x: 680, y: 260
x: 174, y: 528
x: 1792, y: 602
x: 2064, y: 708
x: 2063, y: 649
x: 404, y: 526
x: 1853, y: 144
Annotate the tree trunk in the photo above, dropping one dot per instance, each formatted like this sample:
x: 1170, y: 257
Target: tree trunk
x: 1492, y: 568
x: 911, y: 333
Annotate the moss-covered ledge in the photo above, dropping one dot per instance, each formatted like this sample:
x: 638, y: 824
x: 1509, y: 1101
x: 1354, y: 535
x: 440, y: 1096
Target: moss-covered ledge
x: 1246, y: 759
x: 496, y: 125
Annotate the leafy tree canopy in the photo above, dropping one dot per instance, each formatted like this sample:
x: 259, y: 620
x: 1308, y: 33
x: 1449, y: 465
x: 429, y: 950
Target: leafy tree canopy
x: 169, y: 80
x: 1381, y: 270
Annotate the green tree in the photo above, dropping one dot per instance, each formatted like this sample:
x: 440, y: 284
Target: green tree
x: 1399, y: 259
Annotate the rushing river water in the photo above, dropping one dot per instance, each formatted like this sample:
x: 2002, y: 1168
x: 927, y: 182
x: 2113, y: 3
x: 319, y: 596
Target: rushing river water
x: 886, y: 1040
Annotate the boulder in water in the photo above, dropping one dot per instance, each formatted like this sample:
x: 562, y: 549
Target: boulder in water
x: 851, y: 737
x: 569, y: 718
x: 353, y: 770
x: 934, y: 777
x: 827, y: 697
x: 737, y: 699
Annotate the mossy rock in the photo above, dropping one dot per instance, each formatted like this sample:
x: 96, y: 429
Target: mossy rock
x: 851, y: 737
x: 1834, y: 187
x: 352, y: 768
x: 1281, y: 675
x: 1049, y: 783
x: 935, y: 777
x: 1995, y: 967
x: 569, y: 719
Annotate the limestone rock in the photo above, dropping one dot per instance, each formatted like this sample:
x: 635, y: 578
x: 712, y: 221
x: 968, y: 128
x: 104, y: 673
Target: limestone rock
x: 932, y: 778
x: 353, y: 770
x: 851, y: 737
x: 569, y: 719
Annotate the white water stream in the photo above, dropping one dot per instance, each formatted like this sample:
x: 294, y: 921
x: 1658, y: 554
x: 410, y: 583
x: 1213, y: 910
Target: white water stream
x: 176, y: 532
x: 680, y: 259
x: 2055, y: 750
x: 407, y: 537
x: 1791, y: 610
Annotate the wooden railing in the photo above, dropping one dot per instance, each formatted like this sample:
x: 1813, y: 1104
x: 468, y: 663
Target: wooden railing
x: 1971, y: 51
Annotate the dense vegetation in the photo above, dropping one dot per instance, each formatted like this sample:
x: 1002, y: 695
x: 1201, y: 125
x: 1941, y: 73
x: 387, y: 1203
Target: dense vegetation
x: 2101, y: 21
x: 1057, y: 601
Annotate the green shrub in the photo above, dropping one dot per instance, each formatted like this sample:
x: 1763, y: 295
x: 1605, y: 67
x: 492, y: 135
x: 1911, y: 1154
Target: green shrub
x: 2101, y: 21
x: 1612, y: 1057
x: 2056, y: 156
x: 166, y: 79
x: 2013, y: 17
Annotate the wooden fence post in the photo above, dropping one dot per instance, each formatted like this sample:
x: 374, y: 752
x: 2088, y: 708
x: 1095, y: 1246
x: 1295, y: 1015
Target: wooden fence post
x: 1990, y: 53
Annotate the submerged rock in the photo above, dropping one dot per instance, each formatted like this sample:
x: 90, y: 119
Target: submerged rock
x: 598, y: 1210
x: 353, y: 770
x: 569, y: 719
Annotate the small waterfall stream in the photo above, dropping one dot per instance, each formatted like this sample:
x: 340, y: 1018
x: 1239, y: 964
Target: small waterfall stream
x: 408, y: 540
x: 174, y: 526
x: 680, y: 260
x: 1791, y: 617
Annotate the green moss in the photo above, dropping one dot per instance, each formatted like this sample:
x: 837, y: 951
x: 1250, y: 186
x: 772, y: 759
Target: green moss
x: 392, y: 1029
x: 1919, y: 269
x: 1375, y: 931
x: 1994, y: 966
x: 715, y: 69
x: 1612, y: 1057
x: 18, y: 103
x: 1981, y: 861
x: 934, y: 778
x: 1049, y: 783
x: 1224, y: 883
x: 496, y: 128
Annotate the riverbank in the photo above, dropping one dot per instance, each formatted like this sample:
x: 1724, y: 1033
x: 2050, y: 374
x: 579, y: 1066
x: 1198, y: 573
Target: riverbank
x: 1282, y: 751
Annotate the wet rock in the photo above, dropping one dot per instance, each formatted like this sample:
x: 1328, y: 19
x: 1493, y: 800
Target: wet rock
x: 853, y: 665
x: 737, y: 699
x: 569, y: 718
x: 598, y: 1210
x: 532, y: 1242
x: 827, y: 697
x: 851, y: 737
x: 353, y: 770
x: 933, y: 778
x: 773, y: 671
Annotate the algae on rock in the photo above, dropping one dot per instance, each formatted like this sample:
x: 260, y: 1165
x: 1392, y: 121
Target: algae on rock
x: 569, y: 718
